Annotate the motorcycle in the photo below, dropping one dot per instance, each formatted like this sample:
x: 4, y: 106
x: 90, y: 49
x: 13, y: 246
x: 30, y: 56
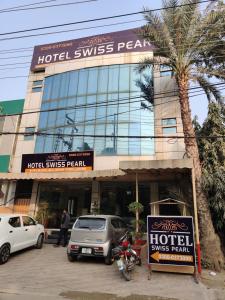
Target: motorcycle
x: 125, y: 257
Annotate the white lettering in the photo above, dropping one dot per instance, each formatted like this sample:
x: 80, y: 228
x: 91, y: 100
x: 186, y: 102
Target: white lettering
x: 109, y: 48
x: 101, y: 49
x: 180, y: 240
x: 188, y: 244
x: 138, y: 44
x: 77, y: 54
x: 62, y: 56
x: 154, y: 239
x: 48, y: 58
x: 41, y: 59
x: 120, y: 46
x: 67, y: 55
x: 87, y: 51
x: 163, y: 239
x: 146, y: 43
x: 171, y: 237
x: 129, y: 45
x: 55, y: 56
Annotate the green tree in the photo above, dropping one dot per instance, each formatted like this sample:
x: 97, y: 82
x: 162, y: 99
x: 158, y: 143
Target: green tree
x: 185, y: 40
x: 212, y: 157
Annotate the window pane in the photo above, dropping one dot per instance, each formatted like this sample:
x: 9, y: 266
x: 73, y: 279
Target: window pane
x: 124, y: 79
x: 37, y: 82
x: 103, y: 79
x: 73, y: 82
x: 36, y: 89
x: 92, y: 81
x: 28, y: 136
x: 170, y: 121
x: 113, y: 84
x: 82, y: 84
x: 169, y: 130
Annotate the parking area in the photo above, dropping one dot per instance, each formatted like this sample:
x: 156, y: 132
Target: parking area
x: 47, y: 274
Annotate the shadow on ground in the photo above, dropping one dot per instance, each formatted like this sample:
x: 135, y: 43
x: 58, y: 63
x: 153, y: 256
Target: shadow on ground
x: 103, y: 296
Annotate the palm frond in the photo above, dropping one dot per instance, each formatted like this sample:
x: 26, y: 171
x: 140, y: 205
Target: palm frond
x: 217, y: 73
x: 155, y: 60
x: 146, y: 87
x: 209, y: 89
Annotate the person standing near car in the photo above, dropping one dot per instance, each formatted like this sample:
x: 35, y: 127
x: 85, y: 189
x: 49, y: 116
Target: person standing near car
x: 64, y: 226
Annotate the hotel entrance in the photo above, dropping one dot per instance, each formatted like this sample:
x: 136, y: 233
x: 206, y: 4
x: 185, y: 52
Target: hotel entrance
x: 54, y: 197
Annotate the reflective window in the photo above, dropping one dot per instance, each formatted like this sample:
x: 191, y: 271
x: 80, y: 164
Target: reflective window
x: 29, y: 136
x: 169, y: 121
x: 169, y: 130
x: 91, y: 107
x: 37, y: 82
x: 27, y: 221
x: 15, y: 222
x: 36, y: 89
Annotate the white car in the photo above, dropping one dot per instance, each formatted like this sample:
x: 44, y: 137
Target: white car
x: 18, y: 231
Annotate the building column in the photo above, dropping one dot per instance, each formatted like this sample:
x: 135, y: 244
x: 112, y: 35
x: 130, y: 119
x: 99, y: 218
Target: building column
x: 95, y: 198
x: 4, y: 188
x: 154, y: 188
x: 10, y: 196
x: 34, y: 199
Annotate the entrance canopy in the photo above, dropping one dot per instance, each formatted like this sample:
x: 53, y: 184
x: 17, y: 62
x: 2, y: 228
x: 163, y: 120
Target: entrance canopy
x: 61, y: 175
x: 156, y: 165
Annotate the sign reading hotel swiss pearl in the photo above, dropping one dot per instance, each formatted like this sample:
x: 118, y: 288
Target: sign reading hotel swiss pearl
x: 171, y: 241
x: 57, y: 162
x: 103, y: 44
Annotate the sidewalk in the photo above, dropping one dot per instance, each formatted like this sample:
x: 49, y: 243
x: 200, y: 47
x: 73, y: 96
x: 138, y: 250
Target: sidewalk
x: 47, y: 274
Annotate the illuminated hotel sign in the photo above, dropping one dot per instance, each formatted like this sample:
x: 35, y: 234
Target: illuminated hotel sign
x: 57, y: 162
x: 171, y: 241
x: 110, y: 43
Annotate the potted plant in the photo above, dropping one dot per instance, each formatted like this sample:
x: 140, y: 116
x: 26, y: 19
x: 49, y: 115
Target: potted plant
x: 137, y: 208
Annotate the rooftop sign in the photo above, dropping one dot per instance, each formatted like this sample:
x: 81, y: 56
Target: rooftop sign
x: 103, y: 44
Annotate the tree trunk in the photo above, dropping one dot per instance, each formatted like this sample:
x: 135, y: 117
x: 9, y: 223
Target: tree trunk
x: 210, y: 243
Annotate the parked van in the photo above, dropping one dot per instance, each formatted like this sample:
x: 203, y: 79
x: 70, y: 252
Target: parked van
x: 95, y: 235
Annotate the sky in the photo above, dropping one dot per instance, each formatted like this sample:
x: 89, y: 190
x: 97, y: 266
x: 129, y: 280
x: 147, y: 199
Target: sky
x: 15, y: 64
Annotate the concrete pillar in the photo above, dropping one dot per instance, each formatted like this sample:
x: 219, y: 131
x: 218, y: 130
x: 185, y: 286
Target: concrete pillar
x: 95, y: 198
x: 10, y: 197
x: 154, y: 188
x: 4, y: 188
x: 34, y: 199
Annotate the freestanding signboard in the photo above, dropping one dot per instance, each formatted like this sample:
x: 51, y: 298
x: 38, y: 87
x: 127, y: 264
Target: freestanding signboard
x: 171, y: 241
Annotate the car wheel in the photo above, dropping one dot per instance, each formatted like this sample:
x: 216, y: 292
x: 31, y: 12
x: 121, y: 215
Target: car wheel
x: 40, y: 241
x: 108, y: 258
x: 4, y: 254
x: 71, y: 258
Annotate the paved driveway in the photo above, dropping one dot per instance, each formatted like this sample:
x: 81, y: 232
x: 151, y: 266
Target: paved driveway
x: 46, y: 274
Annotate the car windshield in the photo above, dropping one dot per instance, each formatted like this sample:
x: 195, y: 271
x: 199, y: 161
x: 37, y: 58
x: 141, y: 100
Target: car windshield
x: 91, y: 223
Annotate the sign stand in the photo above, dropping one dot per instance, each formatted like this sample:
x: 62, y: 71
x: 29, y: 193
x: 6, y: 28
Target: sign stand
x: 171, y: 246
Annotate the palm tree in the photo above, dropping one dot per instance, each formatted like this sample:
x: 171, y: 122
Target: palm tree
x: 186, y: 41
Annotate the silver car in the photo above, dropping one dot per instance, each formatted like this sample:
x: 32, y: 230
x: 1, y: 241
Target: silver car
x: 95, y: 235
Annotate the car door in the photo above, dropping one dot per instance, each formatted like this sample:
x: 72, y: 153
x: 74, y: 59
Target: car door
x: 15, y: 233
x: 116, y: 230
x: 122, y: 227
x: 30, y: 230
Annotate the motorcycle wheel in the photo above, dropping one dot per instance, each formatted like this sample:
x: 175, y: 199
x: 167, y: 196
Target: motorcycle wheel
x: 126, y: 274
x: 139, y: 262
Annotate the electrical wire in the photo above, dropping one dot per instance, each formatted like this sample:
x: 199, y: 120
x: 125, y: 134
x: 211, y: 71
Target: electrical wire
x: 118, y: 100
x: 99, y: 19
x: 48, y: 6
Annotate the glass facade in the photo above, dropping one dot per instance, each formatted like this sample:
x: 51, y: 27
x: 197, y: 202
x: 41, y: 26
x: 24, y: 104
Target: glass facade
x: 93, y: 107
